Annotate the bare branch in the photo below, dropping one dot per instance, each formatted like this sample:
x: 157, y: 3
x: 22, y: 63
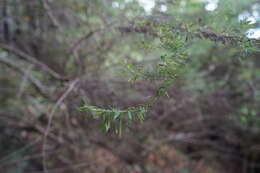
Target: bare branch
x: 33, y: 60
x: 50, y: 13
x: 36, y: 83
x: 24, y: 81
x: 55, y: 107
x: 74, y: 48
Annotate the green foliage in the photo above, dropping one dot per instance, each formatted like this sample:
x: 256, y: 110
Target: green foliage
x: 181, y: 46
x: 248, y: 47
x: 248, y: 117
x: 169, y: 66
x: 116, y: 119
x: 135, y: 72
x: 177, y: 47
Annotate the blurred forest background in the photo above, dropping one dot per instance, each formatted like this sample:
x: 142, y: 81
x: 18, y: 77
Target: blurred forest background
x: 59, y: 55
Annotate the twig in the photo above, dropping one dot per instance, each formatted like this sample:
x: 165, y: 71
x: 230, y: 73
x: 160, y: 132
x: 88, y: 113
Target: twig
x: 33, y: 60
x: 74, y: 48
x: 50, y: 13
x: 24, y: 82
x: 71, y: 87
x: 36, y: 83
x: 200, y: 33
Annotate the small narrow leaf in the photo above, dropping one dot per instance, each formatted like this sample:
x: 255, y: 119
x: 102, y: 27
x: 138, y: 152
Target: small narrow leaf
x: 117, y: 114
x: 107, y: 126
x: 130, y: 116
x: 140, y: 116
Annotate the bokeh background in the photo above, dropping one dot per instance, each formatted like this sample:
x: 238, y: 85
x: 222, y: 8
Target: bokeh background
x: 57, y: 55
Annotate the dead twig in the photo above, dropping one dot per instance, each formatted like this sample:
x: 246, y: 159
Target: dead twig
x: 55, y: 107
x: 35, y: 82
x: 74, y: 48
x: 33, y: 60
x: 50, y: 13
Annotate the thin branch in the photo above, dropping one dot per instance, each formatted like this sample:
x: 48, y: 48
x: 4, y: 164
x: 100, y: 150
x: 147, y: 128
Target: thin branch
x: 33, y: 60
x: 36, y: 83
x: 24, y: 81
x: 199, y: 33
x: 50, y: 13
x: 74, y: 48
x: 85, y: 37
x: 210, y: 35
x: 55, y: 107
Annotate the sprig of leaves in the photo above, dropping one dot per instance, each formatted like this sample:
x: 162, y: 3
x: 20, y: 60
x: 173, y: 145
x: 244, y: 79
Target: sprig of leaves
x: 167, y: 70
x: 116, y: 119
x: 135, y: 72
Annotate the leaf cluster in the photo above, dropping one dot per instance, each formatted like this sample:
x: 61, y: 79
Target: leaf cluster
x: 169, y: 66
x: 116, y: 119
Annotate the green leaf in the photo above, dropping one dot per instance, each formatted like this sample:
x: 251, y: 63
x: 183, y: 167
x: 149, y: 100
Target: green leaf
x: 142, y: 109
x: 117, y: 114
x: 107, y: 126
x: 130, y: 66
x: 134, y: 78
x: 140, y: 116
x: 163, y: 57
x: 117, y: 127
x: 130, y: 116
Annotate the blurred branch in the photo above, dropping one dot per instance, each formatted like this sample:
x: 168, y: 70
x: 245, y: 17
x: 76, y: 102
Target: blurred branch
x: 24, y: 81
x: 138, y: 29
x: 33, y: 60
x: 36, y: 83
x: 50, y: 13
x: 55, y: 107
x: 85, y: 37
x: 210, y: 35
x: 74, y: 48
x: 200, y: 33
